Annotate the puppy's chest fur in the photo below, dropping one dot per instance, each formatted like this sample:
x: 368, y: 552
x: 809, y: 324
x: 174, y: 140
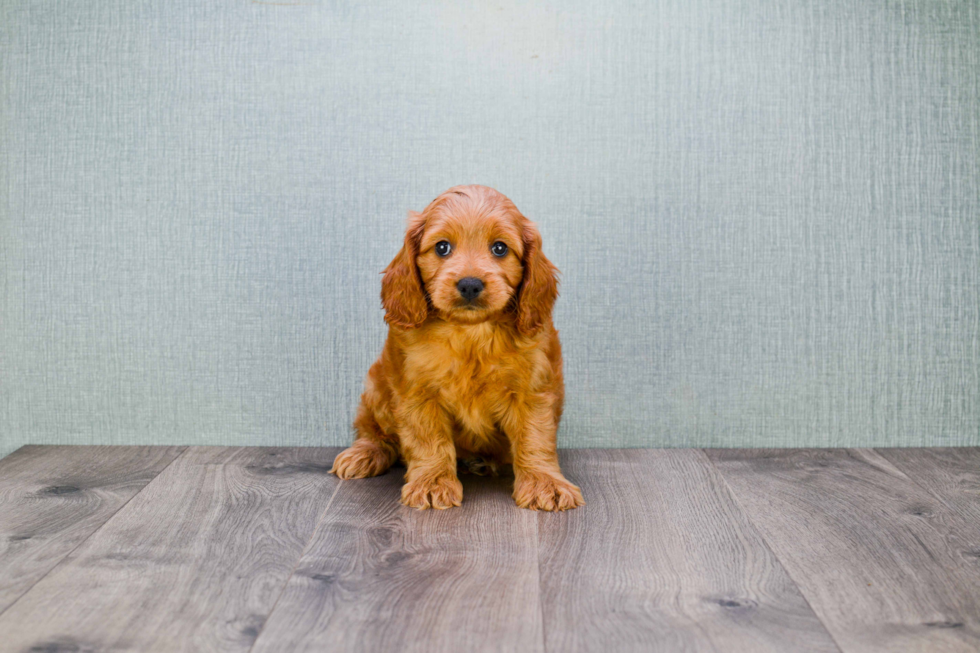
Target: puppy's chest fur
x: 477, y: 372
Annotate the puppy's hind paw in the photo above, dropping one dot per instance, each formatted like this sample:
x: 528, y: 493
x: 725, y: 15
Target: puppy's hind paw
x: 479, y: 465
x: 362, y: 460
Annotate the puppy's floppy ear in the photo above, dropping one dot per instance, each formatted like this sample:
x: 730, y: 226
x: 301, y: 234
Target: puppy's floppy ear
x: 539, y: 289
x: 402, y: 294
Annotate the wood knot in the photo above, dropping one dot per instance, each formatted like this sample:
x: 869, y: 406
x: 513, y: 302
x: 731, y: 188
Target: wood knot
x: 733, y: 603
x: 58, y: 490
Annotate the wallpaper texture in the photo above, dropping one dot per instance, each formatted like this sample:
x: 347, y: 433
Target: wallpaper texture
x: 767, y: 213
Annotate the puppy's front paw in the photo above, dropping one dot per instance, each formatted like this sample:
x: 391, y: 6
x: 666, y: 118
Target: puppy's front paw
x: 440, y: 492
x: 362, y: 460
x: 546, y: 492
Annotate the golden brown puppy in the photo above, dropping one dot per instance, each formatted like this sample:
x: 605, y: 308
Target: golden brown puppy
x: 472, y: 363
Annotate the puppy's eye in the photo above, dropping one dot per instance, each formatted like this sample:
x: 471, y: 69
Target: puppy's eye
x: 443, y: 248
x: 499, y: 249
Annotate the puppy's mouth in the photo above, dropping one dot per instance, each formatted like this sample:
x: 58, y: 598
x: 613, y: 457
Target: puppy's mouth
x: 470, y: 305
x: 468, y: 311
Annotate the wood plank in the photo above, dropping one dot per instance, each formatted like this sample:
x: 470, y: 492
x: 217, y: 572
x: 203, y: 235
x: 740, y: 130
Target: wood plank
x: 662, y: 559
x: 951, y: 473
x: 52, y: 498
x: 380, y: 576
x: 194, y: 562
x: 885, y: 564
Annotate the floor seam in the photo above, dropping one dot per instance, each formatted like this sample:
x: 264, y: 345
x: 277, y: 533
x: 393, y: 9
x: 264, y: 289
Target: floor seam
x: 299, y: 560
x: 537, y: 559
x: 915, y: 481
x: 101, y: 526
x: 765, y: 543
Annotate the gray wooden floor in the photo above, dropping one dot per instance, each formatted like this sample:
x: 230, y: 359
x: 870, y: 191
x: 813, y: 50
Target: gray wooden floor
x: 247, y: 549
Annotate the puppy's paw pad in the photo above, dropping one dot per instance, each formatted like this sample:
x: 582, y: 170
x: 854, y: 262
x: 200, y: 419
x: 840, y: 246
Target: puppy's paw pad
x: 547, y: 493
x: 360, y: 461
x: 440, y: 493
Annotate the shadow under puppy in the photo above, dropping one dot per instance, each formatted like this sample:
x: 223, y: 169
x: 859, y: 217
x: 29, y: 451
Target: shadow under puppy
x: 472, y: 364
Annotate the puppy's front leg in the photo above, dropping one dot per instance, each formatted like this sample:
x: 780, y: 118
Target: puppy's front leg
x: 538, y: 481
x: 430, y: 456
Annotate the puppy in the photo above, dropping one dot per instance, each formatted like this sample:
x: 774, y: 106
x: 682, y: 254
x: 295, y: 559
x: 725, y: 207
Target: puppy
x: 472, y: 364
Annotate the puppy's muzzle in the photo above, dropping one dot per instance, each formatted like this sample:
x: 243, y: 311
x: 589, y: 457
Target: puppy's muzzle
x: 469, y: 288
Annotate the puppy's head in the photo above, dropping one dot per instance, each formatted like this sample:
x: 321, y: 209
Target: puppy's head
x: 468, y: 257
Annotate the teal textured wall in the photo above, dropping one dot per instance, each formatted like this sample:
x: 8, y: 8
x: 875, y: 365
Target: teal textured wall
x: 767, y: 213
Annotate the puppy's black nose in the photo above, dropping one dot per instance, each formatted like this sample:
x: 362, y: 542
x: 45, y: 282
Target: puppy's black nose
x: 469, y: 288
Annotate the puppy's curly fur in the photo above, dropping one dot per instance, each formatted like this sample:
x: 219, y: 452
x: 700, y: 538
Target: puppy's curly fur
x: 463, y: 376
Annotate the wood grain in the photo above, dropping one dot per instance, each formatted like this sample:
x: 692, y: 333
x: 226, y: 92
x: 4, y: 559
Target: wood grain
x: 886, y: 565
x: 379, y: 576
x: 52, y: 498
x: 662, y: 559
x: 951, y: 474
x: 194, y: 562
x: 239, y: 549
